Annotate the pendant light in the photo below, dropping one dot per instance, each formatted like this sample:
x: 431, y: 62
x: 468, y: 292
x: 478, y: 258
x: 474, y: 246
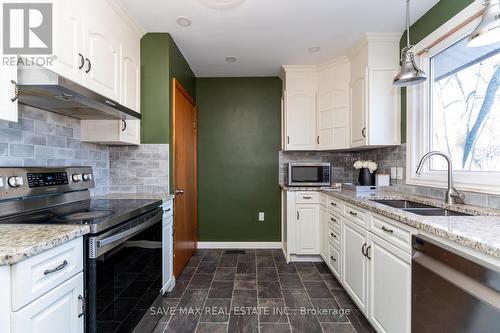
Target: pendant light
x: 488, y: 31
x: 409, y: 73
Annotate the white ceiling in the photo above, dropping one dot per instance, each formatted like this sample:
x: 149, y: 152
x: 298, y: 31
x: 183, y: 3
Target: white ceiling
x: 265, y: 34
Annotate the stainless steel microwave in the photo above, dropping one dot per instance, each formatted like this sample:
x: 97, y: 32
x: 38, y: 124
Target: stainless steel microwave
x: 308, y: 174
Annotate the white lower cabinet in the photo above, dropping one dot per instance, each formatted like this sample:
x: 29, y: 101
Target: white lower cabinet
x: 334, y: 261
x: 307, y: 230
x: 389, y: 285
x: 323, y: 220
x: 58, y: 311
x: 355, y: 265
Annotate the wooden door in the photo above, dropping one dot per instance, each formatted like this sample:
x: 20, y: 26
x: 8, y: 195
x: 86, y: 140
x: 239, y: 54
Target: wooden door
x: 185, y: 176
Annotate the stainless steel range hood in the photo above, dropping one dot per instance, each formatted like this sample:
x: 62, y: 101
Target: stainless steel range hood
x: 44, y: 89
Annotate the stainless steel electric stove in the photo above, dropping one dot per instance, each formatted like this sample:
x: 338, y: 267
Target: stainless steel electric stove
x: 122, y: 251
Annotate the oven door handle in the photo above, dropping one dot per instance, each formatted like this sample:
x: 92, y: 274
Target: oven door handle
x: 126, y: 233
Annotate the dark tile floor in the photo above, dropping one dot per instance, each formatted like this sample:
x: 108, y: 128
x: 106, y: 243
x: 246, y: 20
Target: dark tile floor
x: 254, y: 291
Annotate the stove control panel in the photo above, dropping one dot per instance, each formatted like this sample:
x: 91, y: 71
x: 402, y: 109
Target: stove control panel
x: 26, y: 182
x: 47, y: 179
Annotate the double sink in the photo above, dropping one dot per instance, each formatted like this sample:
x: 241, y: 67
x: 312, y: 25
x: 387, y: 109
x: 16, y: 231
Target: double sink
x: 419, y: 208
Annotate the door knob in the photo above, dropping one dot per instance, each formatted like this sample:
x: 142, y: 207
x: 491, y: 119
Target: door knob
x: 179, y: 191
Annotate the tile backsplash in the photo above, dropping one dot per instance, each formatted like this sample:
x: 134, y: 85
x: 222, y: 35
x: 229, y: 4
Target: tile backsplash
x: 45, y: 139
x: 139, y: 169
x: 343, y: 171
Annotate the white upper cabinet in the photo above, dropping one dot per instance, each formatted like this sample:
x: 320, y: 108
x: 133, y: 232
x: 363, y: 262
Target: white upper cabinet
x: 300, y: 120
x: 102, y: 49
x: 69, y: 60
x: 8, y: 91
x: 375, y: 103
x: 316, y: 109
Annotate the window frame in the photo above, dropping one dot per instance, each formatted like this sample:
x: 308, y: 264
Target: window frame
x: 419, y: 111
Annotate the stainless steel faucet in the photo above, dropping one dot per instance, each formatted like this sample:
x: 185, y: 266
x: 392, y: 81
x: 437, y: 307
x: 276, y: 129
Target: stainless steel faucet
x: 452, y: 195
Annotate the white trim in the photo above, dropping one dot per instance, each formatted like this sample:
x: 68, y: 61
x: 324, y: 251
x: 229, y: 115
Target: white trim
x: 168, y: 286
x: 239, y: 245
x: 306, y: 258
x: 418, y: 99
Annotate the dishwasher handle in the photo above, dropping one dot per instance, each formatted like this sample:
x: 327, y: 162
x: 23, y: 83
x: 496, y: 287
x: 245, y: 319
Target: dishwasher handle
x: 472, y: 286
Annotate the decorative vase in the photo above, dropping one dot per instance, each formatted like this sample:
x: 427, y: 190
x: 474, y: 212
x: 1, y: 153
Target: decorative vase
x: 366, y: 178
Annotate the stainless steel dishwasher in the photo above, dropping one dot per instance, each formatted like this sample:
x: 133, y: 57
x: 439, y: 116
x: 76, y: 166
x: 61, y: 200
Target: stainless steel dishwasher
x: 452, y: 293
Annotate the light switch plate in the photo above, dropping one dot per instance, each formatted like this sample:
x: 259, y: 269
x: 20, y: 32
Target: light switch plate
x: 399, y: 173
x: 394, y: 174
x: 261, y: 216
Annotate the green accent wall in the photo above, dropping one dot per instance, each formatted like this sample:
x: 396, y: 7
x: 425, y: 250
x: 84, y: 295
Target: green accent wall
x: 239, y: 126
x: 433, y: 19
x: 161, y: 61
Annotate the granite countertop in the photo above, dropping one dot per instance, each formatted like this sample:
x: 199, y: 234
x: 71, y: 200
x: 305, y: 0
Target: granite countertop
x: 21, y: 241
x: 480, y: 232
x: 136, y: 196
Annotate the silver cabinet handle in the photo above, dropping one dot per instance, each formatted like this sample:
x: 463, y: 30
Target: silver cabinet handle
x: 89, y: 65
x: 307, y: 197
x: 179, y: 191
x: 363, y: 132
x: 332, y: 219
x: 84, y: 305
x: 363, y: 248
x: 317, y: 139
x: 16, y: 91
x: 368, y: 252
x: 82, y: 61
x: 124, y: 125
x: 387, y: 230
x: 332, y: 258
x: 353, y: 213
x: 333, y: 235
x: 58, y: 268
x: 168, y: 210
x: 288, y: 139
x: 333, y: 204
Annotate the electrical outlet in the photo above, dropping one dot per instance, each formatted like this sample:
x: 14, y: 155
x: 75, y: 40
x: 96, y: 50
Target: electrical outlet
x: 261, y: 216
x: 399, y: 173
x: 394, y: 173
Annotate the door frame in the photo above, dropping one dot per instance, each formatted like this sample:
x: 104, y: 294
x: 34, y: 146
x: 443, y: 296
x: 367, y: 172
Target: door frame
x: 176, y: 85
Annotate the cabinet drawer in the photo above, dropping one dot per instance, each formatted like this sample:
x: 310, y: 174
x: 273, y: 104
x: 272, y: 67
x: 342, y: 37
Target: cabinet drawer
x: 307, y: 197
x: 334, y: 237
x: 334, y: 261
x: 397, y: 236
x: 334, y: 221
x: 355, y: 214
x: 35, y: 276
x: 323, y: 199
x: 168, y: 208
x: 335, y: 205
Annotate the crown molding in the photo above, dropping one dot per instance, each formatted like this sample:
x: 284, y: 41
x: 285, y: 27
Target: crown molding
x: 122, y: 11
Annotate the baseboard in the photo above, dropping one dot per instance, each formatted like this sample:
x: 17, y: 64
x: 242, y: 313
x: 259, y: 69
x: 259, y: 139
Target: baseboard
x: 300, y: 258
x: 239, y: 245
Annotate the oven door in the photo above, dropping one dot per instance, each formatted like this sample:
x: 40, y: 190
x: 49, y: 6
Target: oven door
x: 123, y: 273
x: 309, y: 174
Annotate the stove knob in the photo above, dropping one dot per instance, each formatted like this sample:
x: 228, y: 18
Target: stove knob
x: 87, y: 177
x: 15, y: 181
x: 76, y: 178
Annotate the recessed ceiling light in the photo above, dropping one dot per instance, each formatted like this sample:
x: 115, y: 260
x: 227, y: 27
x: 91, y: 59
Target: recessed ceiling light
x: 184, y: 21
x: 231, y: 59
x: 222, y: 4
x: 314, y: 49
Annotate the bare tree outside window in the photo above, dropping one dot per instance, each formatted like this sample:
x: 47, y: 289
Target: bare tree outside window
x: 465, y: 116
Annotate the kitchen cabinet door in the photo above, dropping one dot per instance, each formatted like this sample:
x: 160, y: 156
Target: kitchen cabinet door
x: 333, y: 119
x: 102, y: 49
x: 130, y: 132
x: 307, y: 229
x: 300, y: 120
x: 69, y: 60
x: 323, y: 235
x: 111, y: 132
x: 358, y: 110
x: 58, y: 311
x: 167, y: 255
x: 355, y: 266
x: 8, y: 81
x: 130, y: 72
x: 389, y: 285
